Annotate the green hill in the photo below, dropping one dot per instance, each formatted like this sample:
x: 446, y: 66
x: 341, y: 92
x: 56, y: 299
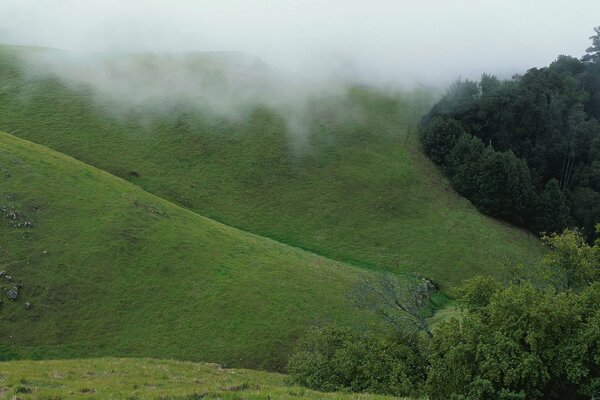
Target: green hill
x: 108, y: 269
x: 352, y: 185
x: 148, y: 379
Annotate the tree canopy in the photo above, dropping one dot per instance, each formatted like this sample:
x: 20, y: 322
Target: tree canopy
x: 593, y: 52
x: 527, y: 149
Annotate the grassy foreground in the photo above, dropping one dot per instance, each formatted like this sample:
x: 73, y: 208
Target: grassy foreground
x: 147, y: 379
x: 108, y: 269
x: 353, y: 186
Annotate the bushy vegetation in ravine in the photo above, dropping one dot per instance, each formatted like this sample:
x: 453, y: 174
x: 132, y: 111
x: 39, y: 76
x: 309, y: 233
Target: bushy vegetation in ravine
x: 535, y: 335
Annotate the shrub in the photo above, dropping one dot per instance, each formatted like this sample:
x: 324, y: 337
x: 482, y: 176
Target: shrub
x: 527, y: 343
x: 333, y: 359
x: 477, y: 292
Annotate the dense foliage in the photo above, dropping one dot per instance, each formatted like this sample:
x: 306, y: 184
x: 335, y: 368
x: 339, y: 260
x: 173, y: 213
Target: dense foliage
x: 334, y: 359
x: 526, y: 150
x: 527, y: 343
x: 535, y: 336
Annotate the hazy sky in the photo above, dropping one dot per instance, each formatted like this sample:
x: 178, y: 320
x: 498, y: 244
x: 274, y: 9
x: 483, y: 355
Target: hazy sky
x: 429, y: 41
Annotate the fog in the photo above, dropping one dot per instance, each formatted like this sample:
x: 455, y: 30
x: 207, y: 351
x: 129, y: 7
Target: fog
x: 224, y: 57
x: 395, y: 42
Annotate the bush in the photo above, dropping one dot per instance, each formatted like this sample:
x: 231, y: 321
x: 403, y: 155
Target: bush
x: 527, y: 343
x: 333, y: 359
x: 477, y: 292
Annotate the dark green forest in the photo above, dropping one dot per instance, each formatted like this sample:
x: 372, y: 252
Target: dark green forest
x: 527, y: 149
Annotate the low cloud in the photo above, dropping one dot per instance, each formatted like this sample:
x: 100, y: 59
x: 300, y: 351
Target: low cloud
x: 225, y: 56
x: 377, y: 41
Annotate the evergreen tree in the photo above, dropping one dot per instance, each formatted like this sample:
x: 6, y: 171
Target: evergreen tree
x: 552, y: 211
x: 504, y: 186
x: 543, y: 125
x: 464, y: 165
x: 439, y: 137
x: 593, y: 52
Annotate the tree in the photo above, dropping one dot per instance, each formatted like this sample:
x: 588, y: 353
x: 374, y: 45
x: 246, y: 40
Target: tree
x: 401, y: 304
x: 593, y: 52
x: 464, y: 165
x: 476, y: 293
x: 460, y: 102
x: 572, y: 264
x: 488, y: 85
x: 575, y: 123
x: 516, y: 347
x: 439, y: 137
x: 590, y: 80
x: 582, y: 355
x: 504, y: 186
x: 537, y: 127
x: 552, y: 210
x: 585, y: 205
x: 567, y: 64
x: 334, y: 359
x: 536, y: 338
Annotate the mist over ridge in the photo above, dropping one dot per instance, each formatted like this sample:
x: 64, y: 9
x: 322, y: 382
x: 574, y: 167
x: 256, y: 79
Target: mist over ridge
x: 378, y: 42
x: 221, y: 85
x: 227, y: 57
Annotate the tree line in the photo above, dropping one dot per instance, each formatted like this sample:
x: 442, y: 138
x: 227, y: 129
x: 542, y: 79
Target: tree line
x: 527, y: 149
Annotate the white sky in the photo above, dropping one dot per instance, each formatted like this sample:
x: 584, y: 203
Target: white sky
x: 382, y: 41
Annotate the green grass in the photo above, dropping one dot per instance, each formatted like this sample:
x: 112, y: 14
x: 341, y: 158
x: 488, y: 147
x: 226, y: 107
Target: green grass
x: 113, y: 270
x: 358, y: 191
x: 109, y: 269
x: 147, y: 379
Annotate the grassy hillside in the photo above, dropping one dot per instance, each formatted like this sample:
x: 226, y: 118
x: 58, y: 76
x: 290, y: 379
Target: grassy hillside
x: 147, y: 379
x: 348, y: 184
x: 108, y: 269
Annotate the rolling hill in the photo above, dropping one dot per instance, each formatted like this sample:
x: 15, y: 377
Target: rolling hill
x: 108, y: 269
x: 344, y: 178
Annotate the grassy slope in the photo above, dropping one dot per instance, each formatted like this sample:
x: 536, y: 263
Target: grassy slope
x: 358, y: 192
x: 112, y: 270
x: 147, y: 379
